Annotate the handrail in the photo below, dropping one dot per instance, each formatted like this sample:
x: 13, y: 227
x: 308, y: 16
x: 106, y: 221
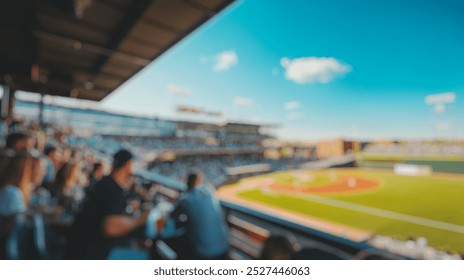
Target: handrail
x: 164, y: 251
x: 162, y: 180
x: 243, y: 232
x: 345, y: 245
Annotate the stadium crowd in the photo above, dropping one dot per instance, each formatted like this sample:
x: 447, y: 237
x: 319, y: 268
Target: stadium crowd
x: 88, y: 211
x: 84, y: 193
x: 214, y: 167
x: 90, y: 206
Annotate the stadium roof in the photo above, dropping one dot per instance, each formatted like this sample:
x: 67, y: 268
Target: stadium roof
x: 87, y: 48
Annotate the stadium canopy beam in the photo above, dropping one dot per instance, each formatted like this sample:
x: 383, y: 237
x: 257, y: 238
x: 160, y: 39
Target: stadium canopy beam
x: 91, y: 48
x: 199, y: 6
x: 55, y: 48
x: 136, y: 10
x: 159, y: 24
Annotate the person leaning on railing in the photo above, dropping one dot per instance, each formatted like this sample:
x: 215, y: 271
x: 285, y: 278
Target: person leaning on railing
x: 206, y: 229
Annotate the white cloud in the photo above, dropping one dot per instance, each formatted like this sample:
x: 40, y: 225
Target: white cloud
x: 441, y: 98
x: 313, y: 69
x: 242, y: 101
x: 178, y: 90
x: 292, y: 105
x: 225, y: 60
x: 295, y: 116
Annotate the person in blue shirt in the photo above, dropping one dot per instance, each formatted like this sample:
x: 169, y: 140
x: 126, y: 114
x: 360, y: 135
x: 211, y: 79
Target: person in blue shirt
x: 11, y: 201
x: 206, y: 228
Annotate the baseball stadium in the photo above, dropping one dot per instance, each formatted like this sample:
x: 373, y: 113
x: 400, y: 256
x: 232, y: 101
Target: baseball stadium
x: 231, y: 130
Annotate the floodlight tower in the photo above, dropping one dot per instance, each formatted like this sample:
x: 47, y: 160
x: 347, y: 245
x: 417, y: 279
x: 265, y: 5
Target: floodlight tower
x: 440, y: 102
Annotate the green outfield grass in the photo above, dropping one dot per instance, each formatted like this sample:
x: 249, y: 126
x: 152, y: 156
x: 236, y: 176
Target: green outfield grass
x: 431, y: 200
x: 439, y: 163
x: 288, y: 178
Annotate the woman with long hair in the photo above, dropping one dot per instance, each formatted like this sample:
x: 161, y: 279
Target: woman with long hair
x: 40, y: 197
x: 15, y: 187
x: 66, y: 189
x: 15, y: 184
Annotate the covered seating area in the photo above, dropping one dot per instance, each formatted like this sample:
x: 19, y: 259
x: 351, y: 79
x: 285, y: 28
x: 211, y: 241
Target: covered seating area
x: 83, y: 49
x: 86, y: 49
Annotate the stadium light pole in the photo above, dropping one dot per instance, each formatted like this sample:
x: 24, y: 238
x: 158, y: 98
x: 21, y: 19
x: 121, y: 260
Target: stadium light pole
x: 439, y: 103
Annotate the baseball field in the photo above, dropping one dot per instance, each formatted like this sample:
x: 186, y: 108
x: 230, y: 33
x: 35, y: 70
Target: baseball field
x: 372, y: 200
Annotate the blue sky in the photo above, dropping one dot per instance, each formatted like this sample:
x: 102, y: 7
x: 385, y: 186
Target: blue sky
x: 320, y: 69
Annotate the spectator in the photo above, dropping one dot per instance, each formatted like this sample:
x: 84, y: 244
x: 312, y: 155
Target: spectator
x: 66, y: 188
x: 53, y: 160
x: 60, y: 138
x: 206, y: 229
x: 278, y: 247
x: 40, y: 197
x: 102, y: 223
x: 97, y: 173
x: 19, y: 142
x: 40, y: 139
x: 66, y: 154
x: 14, y: 185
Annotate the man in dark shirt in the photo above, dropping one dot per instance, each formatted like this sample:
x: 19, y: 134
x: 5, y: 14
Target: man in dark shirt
x: 101, y: 224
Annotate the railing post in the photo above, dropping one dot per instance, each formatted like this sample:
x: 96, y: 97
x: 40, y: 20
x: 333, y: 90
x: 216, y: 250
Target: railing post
x: 7, y: 106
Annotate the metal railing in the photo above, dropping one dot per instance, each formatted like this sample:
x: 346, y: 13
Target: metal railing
x: 249, y: 228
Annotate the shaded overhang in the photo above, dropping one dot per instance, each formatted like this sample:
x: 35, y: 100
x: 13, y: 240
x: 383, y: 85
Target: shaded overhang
x: 88, y: 48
